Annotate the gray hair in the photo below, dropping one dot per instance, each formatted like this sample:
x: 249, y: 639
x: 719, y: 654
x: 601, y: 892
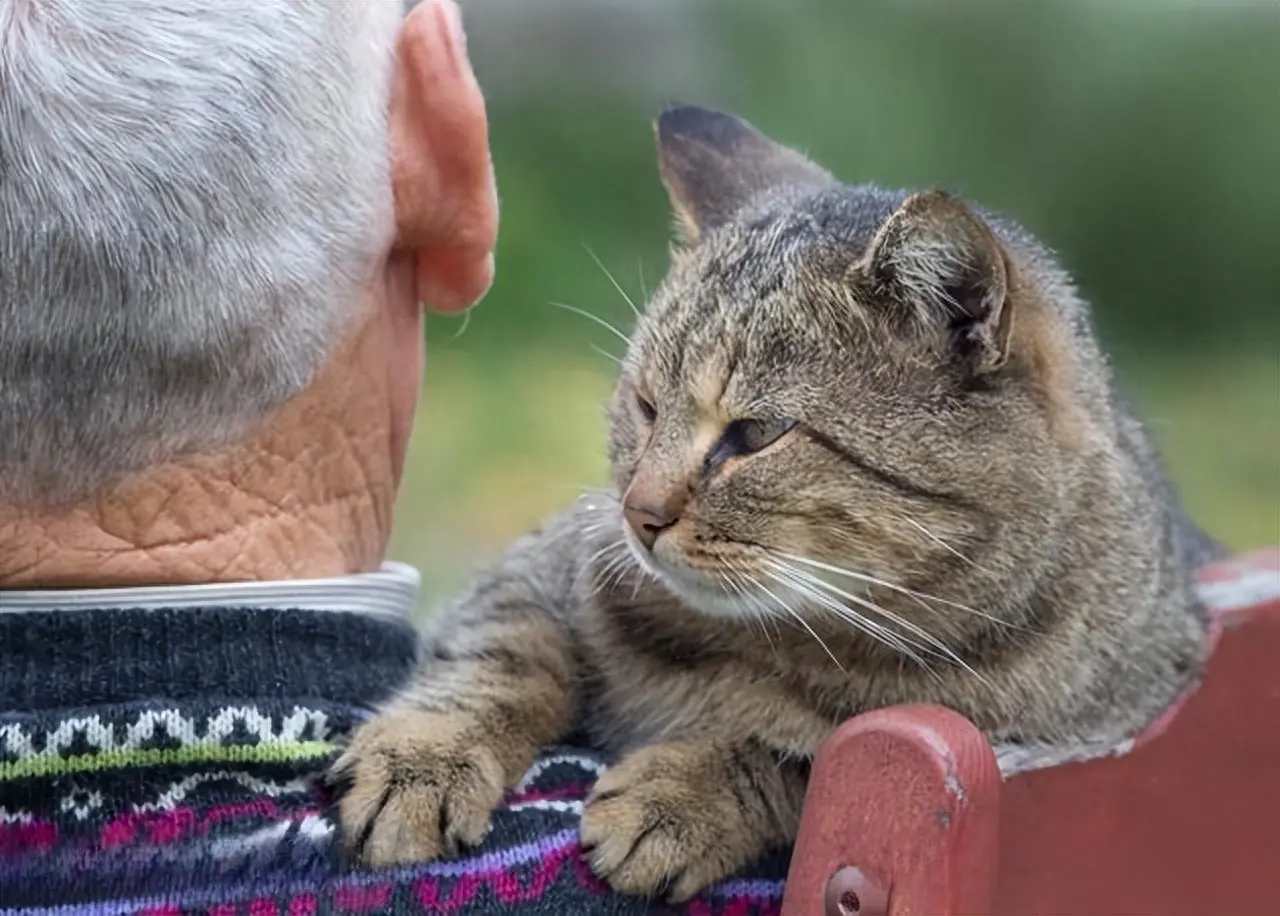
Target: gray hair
x: 193, y: 196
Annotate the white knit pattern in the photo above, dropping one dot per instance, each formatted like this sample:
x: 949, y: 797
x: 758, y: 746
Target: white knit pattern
x: 18, y: 743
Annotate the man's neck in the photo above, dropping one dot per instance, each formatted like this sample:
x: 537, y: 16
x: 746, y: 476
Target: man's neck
x: 130, y: 539
x: 246, y: 515
x: 309, y: 495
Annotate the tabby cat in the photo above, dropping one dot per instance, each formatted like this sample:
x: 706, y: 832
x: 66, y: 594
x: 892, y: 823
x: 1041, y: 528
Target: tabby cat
x: 865, y: 450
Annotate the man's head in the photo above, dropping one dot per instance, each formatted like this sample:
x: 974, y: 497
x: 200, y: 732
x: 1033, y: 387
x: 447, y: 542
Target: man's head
x: 216, y: 223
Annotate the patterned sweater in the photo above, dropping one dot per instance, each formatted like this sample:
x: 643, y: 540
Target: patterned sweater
x: 165, y: 762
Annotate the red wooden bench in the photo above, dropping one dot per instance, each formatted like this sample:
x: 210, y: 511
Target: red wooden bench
x: 907, y: 812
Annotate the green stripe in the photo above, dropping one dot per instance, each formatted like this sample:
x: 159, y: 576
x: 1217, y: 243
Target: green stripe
x: 204, y: 752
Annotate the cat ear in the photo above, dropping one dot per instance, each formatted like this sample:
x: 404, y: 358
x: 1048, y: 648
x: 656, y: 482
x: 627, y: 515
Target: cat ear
x: 713, y: 163
x: 937, y: 257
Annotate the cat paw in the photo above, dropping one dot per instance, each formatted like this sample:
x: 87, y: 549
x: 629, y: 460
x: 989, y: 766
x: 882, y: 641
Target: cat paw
x: 415, y: 786
x: 662, y: 821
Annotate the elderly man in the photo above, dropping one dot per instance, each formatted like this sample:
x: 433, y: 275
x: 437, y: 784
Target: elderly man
x: 217, y: 224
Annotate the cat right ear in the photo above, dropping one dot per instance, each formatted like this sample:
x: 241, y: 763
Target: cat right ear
x: 940, y: 260
x: 713, y: 164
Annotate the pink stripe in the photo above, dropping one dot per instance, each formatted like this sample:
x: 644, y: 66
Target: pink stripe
x: 507, y: 887
x: 263, y: 807
x: 163, y: 828
x: 167, y: 909
x: 565, y: 792
x: 362, y: 899
x: 304, y: 905
x: 587, y: 879
x: 170, y: 826
x: 460, y: 894
x: 37, y: 836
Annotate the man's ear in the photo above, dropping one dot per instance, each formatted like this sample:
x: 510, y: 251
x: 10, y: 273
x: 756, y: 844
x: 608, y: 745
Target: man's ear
x: 441, y: 172
x: 713, y: 164
x: 936, y: 259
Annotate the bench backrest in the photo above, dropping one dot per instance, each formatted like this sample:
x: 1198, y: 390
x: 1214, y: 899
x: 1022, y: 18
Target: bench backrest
x: 1186, y: 822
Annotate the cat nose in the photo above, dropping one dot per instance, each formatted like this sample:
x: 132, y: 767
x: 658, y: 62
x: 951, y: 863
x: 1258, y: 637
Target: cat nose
x: 647, y: 522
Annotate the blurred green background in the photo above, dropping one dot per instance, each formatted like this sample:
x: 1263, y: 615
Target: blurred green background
x: 1139, y: 138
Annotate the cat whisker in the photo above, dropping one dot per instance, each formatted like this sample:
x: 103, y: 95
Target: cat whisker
x: 616, y: 285
x: 606, y: 354
x: 599, y: 554
x: 466, y: 322
x: 871, y: 628
x: 937, y: 644
x: 590, y: 531
x: 915, y: 647
x: 614, y: 570
x: 606, y: 576
x: 902, y: 590
x: 753, y: 601
x: 604, y: 523
x: 600, y: 577
x: 603, y: 508
x: 752, y: 604
x: 914, y: 596
x: 729, y: 582
x: 589, y: 568
x: 556, y: 537
x: 591, y: 493
x: 592, y: 317
x: 796, y: 617
x: 941, y: 543
x: 863, y: 602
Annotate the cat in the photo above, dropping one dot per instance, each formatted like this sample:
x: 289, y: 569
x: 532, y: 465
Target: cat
x: 865, y: 450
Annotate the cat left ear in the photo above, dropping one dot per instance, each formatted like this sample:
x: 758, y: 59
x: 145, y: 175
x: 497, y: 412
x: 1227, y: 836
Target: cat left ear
x: 938, y: 258
x: 713, y: 164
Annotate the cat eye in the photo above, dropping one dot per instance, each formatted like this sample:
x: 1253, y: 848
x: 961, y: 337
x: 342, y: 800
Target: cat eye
x: 744, y: 437
x: 647, y: 409
x: 754, y: 435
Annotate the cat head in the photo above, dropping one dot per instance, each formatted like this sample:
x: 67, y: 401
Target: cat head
x: 832, y: 387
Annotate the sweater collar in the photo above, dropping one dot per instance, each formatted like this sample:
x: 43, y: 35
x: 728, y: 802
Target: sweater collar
x: 392, y: 591
x: 347, y: 641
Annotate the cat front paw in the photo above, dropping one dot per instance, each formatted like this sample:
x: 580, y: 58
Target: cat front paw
x: 415, y: 786
x: 666, y: 820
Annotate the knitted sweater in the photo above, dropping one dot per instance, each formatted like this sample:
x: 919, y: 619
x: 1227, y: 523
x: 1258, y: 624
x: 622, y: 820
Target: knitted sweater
x: 166, y: 761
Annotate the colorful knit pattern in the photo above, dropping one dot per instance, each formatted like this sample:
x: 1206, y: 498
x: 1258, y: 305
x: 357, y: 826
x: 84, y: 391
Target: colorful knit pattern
x: 142, y: 805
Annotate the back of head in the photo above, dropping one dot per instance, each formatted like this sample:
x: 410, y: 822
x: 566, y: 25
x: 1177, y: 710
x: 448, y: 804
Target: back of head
x: 192, y: 197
